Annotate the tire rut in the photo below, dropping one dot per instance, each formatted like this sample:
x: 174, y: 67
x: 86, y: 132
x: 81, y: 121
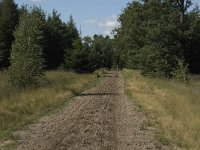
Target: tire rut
x: 101, y: 118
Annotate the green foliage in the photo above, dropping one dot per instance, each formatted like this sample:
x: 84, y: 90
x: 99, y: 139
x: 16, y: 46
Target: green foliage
x: 192, y: 36
x: 73, y: 44
x: 181, y: 73
x: 26, y: 55
x: 155, y: 61
x: 76, y: 56
x: 101, y: 54
x: 59, y: 37
x: 8, y: 22
x: 55, y: 34
x: 154, y: 42
x: 72, y: 33
x: 89, y: 54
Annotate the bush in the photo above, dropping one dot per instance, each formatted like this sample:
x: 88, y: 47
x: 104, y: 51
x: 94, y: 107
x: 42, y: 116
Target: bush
x: 181, y: 73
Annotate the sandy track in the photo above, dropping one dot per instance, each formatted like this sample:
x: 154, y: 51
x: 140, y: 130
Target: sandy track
x: 102, y: 118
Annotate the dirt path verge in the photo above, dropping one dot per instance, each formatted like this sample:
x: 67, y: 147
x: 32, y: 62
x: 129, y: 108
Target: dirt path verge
x: 100, y: 118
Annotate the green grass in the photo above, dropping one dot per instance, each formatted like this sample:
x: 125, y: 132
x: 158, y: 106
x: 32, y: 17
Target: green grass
x: 176, y: 107
x: 18, y: 109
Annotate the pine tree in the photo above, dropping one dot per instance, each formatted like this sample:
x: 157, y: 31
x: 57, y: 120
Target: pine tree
x: 72, y: 32
x: 55, y: 37
x: 26, y: 54
x: 77, y: 56
x: 8, y: 22
x: 72, y: 37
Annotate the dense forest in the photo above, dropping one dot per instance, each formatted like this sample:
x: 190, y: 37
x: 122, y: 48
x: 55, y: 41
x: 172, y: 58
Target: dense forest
x: 159, y: 37
x: 31, y: 42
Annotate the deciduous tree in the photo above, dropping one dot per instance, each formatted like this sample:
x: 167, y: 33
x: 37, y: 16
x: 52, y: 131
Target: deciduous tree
x: 27, y: 51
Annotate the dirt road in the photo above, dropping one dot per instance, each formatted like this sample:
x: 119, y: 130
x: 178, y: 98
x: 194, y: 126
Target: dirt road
x: 102, y: 118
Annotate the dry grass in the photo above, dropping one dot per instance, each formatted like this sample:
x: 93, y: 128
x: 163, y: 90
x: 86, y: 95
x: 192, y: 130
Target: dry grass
x: 20, y: 108
x: 175, y: 105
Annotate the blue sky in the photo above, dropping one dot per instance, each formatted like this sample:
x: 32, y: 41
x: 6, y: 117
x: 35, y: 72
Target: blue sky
x: 94, y: 16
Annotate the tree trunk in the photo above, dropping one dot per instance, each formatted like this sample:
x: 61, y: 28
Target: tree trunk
x: 181, y: 4
x: 182, y: 17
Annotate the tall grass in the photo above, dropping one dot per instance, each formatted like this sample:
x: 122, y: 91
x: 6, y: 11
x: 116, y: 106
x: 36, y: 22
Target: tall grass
x: 175, y: 105
x: 20, y: 108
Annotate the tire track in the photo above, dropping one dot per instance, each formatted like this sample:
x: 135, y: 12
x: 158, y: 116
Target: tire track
x: 102, y: 118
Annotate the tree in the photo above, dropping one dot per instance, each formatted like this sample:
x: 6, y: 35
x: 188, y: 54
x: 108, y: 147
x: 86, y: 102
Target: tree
x: 159, y: 44
x: 78, y: 58
x: 8, y: 22
x: 192, y: 40
x: 72, y: 32
x: 131, y: 36
x: 27, y: 51
x: 73, y: 42
x: 87, y: 47
x: 101, y: 52
x: 149, y: 40
x: 55, y: 37
x: 183, y: 5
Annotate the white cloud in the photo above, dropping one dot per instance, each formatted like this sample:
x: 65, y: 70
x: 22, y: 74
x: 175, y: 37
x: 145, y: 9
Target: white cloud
x: 92, y: 21
x: 107, y: 32
x: 107, y: 24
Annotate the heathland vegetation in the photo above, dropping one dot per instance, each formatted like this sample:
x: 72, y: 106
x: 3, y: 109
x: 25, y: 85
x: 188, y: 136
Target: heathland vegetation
x: 161, y: 39
x: 56, y: 89
x: 44, y: 60
x: 175, y: 107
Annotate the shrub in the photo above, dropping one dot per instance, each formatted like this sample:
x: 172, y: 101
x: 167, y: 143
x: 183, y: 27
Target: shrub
x: 181, y: 73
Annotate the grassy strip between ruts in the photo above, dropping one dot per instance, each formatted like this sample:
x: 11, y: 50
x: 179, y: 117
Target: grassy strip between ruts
x: 175, y: 107
x: 17, y: 109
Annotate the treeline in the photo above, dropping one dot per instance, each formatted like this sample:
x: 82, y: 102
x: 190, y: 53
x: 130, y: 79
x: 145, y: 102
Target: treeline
x: 31, y: 42
x: 160, y: 37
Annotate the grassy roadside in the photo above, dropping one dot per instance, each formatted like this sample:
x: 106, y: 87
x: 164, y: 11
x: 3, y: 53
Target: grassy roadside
x: 18, y: 109
x: 176, y: 107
